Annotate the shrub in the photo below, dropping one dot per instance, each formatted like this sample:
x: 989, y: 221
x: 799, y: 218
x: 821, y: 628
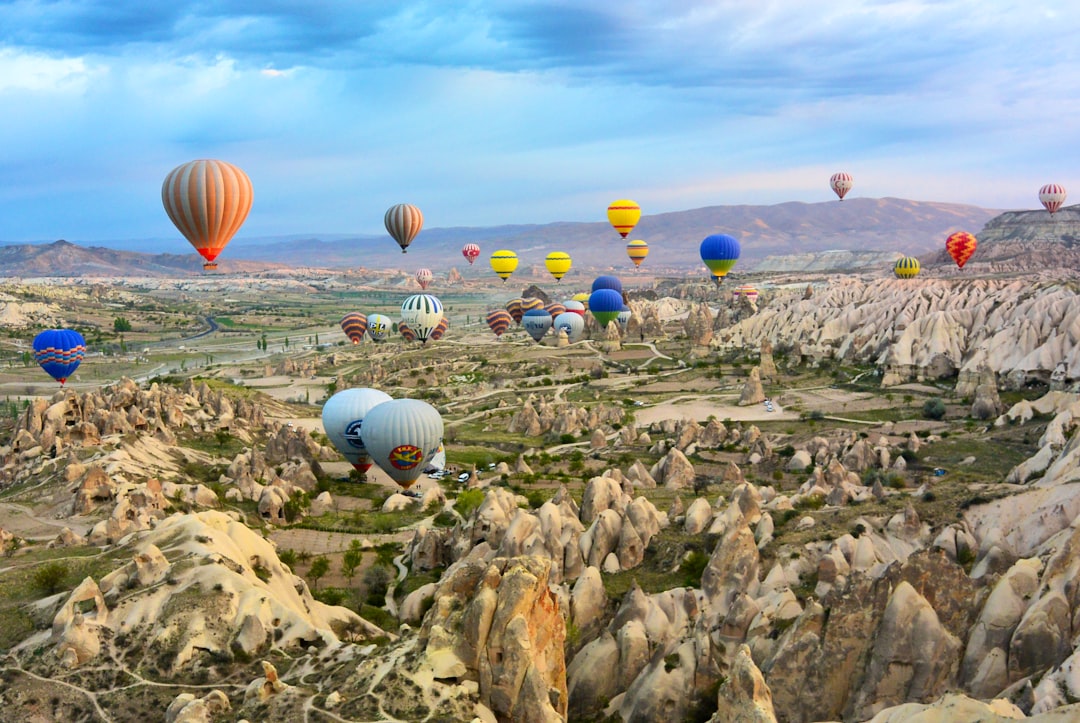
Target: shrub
x: 693, y: 567
x: 934, y: 409
x: 50, y: 577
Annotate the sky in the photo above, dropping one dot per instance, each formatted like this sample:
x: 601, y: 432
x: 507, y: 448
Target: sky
x: 490, y: 112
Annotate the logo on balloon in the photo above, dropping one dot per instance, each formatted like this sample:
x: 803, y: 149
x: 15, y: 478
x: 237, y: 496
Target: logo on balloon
x: 406, y: 456
x: 352, y: 434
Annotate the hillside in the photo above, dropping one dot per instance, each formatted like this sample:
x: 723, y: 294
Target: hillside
x: 62, y: 258
x: 887, y: 225
x: 871, y: 227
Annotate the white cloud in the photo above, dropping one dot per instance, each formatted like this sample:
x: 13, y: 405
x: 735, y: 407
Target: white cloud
x: 40, y: 73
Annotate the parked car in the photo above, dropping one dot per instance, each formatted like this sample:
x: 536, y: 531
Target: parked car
x: 463, y: 477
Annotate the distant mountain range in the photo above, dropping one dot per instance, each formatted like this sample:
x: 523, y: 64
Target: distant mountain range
x: 887, y: 225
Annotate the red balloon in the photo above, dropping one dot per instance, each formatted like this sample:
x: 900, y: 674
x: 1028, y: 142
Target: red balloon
x: 961, y: 245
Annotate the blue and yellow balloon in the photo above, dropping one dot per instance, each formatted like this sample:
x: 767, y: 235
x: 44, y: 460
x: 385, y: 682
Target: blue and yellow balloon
x: 719, y: 252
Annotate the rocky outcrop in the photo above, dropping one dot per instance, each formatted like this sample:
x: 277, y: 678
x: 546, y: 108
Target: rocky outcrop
x: 752, y: 391
x: 498, y: 624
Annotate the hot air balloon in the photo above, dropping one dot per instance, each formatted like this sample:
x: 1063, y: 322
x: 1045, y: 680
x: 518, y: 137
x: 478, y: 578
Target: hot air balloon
x: 499, y: 321
x: 354, y: 324
x: 379, y: 327
x: 573, y: 324
x: 471, y: 252
x: 403, y: 222
x: 624, y: 215
x: 59, y: 352
x: 407, y: 333
x: 576, y: 307
x: 906, y: 268
x: 1052, y: 196
x: 555, y: 308
x: 746, y: 291
x: 624, y: 317
x: 719, y: 252
x: 841, y: 183
x: 637, y: 251
x: 342, y: 419
x: 531, y: 303
x: 961, y: 245
x: 503, y: 263
x: 439, y: 330
x: 422, y: 312
x: 607, y: 282
x: 557, y: 263
x: 583, y: 298
x: 424, y: 277
x: 536, y: 322
x: 605, y: 305
x: 402, y: 436
x: 208, y: 201
x: 514, y: 308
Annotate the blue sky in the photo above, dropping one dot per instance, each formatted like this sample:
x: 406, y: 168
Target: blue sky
x: 491, y: 112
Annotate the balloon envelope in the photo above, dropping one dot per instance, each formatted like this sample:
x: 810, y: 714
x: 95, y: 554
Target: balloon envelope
x: 499, y: 321
x: 555, y: 308
x: 503, y: 263
x: 841, y: 183
x: 637, y: 251
x: 343, y: 417
x: 624, y: 316
x: 719, y: 252
x: 514, y: 308
x: 406, y: 332
x: 576, y: 307
x: 401, y: 436
x: 440, y: 329
x: 558, y: 263
x: 208, y: 200
x: 624, y: 215
x: 605, y: 305
x: 1052, y: 196
x: 422, y: 312
x: 961, y: 245
x: 403, y: 221
x: 607, y: 282
x: 59, y: 352
x: 471, y: 252
x: 424, y: 277
x: 379, y: 327
x: 536, y: 322
x: 354, y: 324
x: 573, y: 324
x: 906, y: 268
x: 531, y: 303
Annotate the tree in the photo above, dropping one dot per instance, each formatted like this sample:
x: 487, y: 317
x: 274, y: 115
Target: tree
x: 351, y: 560
x: 319, y: 567
x: 120, y: 325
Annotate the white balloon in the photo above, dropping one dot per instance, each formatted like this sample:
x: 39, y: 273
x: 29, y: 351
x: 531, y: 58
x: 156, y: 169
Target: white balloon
x: 343, y: 416
x: 379, y: 327
x: 573, y: 323
x: 402, y: 436
x: 422, y: 312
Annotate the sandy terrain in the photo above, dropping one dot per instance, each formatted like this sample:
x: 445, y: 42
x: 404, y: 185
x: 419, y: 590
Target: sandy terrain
x: 701, y: 410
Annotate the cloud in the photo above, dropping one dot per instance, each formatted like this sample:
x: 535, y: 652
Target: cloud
x: 488, y: 111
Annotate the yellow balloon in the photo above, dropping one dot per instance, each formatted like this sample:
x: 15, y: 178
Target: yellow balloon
x: 906, y: 268
x: 637, y: 251
x: 503, y: 263
x: 583, y: 298
x: 558, y: 263
x: 624, y: 215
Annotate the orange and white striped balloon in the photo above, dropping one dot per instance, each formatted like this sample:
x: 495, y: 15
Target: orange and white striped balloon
x: 208, y: 201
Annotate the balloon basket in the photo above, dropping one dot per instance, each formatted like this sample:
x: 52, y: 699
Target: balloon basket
x: 209, y: 266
